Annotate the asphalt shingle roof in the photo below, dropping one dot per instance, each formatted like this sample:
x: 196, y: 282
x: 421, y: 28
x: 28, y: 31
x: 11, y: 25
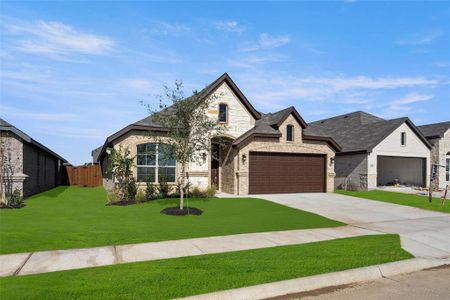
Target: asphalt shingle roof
x: 434, y: 130
x: 358, y: 131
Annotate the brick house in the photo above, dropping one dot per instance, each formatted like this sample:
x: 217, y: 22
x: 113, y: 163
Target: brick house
x: 263, y: 153
x: 29, y: 165
x: 438, y: 135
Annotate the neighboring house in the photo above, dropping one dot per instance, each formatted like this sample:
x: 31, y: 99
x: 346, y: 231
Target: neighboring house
x: 439, y: 137
x: 263, y: 153
x: 29, y: 165
x: 376, y: 152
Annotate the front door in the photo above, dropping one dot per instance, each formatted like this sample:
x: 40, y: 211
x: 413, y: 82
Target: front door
x: 215, y: 162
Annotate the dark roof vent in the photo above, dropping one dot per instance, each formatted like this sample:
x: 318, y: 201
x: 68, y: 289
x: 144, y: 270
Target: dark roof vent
x: 345, y: 117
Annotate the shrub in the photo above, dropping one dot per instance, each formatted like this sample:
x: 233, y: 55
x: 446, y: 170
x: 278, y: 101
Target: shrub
x: 131, y: 190
x: 16, y: 199
x: 150, y: 191
x: 211, y: 191
x: 164, y: 188
x: 196, y: 192
x: 140, y: 197
x: 113, y: 196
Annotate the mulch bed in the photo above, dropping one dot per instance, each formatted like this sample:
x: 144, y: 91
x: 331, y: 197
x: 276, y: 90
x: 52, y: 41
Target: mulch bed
x: 176, y: 211
x: 122, y: 203
x: 15, y: 206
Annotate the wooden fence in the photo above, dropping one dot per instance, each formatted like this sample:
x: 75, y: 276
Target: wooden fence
x: 88, y: 175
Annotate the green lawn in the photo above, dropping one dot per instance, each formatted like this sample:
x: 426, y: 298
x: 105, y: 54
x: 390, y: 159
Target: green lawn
x: 186, y: 276
x: 73, y: 217
x: 401, y: 198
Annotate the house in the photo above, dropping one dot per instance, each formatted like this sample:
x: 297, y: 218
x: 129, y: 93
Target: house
x: 28, y: 165
x: 438, y: 135
x: 262, y: 153
x: 376, y: 152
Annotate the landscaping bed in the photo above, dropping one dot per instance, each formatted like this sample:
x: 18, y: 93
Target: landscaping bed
x: 75, y: 217
x: 179, y: 277
x: 417, y: 201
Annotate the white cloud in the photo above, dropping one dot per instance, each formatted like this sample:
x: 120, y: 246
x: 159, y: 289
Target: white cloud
x: 252, y: 61
x: 166, y: 28
x: 267, y: 41
x: 422, y: 39
x: 56, y: 39
x: 359, y: 92
x: 229, y: 26
x: 39, y: 116
x: 413, y: 98
x: 141, y: 85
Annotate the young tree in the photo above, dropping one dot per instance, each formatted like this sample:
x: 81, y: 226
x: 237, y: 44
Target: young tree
x: 189, y: 129
x: 120, y: 166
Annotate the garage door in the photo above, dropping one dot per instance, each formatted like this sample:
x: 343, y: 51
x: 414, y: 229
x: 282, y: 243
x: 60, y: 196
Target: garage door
x: 404, y: 170
x: 286, y: 173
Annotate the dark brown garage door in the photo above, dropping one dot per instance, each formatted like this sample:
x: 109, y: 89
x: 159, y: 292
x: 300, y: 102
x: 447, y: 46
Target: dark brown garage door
x: 286, y: 173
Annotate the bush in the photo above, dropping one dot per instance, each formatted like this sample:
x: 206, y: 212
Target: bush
x: 113, y: 196
x: 16, y: 199
x: 150, y: 191
x: 164, y: 188
x: 211, y: 191
x: 196, y: 192
x: 131, y: 190
x: 140, y: 197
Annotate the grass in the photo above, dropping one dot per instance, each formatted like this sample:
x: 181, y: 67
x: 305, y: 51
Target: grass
x: 401, y: 198
x: 186, y: 276
x: 74, y: 217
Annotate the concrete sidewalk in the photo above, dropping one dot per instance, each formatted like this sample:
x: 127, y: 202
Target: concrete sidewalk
x: 58, y: 260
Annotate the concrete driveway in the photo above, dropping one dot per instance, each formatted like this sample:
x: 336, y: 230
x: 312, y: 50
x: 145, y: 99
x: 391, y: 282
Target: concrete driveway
x: 423, y: 233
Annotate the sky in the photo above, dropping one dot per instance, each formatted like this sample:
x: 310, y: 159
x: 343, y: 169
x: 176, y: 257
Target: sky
x: 73, y: 73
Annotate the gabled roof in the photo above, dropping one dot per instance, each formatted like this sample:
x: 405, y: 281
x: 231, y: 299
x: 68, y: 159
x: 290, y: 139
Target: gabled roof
x: 359, y: 131
x: 266, y: 125
x: 148, y: 123
x: 7, y: 127
x: 436, y: 130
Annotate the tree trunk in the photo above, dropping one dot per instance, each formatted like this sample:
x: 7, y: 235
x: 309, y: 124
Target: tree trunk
x: 182, y: 188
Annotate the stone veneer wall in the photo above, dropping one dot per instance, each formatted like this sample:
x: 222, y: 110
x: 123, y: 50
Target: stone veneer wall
x: 13, y: 147
x: 438, y: 156
x: 351, y: 172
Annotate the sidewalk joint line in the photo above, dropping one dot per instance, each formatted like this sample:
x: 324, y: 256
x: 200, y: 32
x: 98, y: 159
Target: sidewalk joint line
x: 22, y: 265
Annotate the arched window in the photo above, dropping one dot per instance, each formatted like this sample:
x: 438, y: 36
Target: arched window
x: 289, y: 133
x: 223, y: 113
x: 155, y: 162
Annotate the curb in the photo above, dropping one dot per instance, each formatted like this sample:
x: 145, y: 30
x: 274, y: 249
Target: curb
x: 305, y: 284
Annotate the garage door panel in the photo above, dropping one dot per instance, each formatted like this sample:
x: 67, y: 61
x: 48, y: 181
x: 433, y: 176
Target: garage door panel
x: 286, y: 173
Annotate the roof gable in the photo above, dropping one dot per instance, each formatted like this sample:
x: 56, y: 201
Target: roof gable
x: 359, y: 131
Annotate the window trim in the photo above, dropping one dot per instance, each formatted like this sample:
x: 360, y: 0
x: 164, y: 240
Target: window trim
x: 156, y: 166
x: 287, y: 133
x: 403, y: 138
x: 226, y: 113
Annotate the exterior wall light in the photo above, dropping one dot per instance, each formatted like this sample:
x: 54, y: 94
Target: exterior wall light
x: 244, y: 158
x: 331, y: 161
x: 204, y: 157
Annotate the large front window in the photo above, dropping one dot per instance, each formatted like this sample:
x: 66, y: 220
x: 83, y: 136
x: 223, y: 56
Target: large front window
x: 155, y: 163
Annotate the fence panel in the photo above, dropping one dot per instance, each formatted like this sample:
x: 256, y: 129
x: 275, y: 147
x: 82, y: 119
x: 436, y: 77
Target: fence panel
x: 88, y: 175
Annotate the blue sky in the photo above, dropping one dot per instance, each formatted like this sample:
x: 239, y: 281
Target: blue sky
x: 73, y: 73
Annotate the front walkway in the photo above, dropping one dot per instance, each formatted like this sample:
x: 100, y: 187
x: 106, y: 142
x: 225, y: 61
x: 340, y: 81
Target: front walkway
x: 58, y: 260
x: 423, y: 233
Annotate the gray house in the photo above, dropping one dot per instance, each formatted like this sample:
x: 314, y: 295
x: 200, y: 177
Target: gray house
x: 438, y: 135
x: 376, y: 152
x: 27, y: 164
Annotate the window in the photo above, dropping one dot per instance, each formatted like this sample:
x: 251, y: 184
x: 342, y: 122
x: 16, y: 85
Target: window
x: 154, y: 162
x: 447, y: 170
x: 223, y: 113
x: 403, y: 139
x: 290, y: 133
